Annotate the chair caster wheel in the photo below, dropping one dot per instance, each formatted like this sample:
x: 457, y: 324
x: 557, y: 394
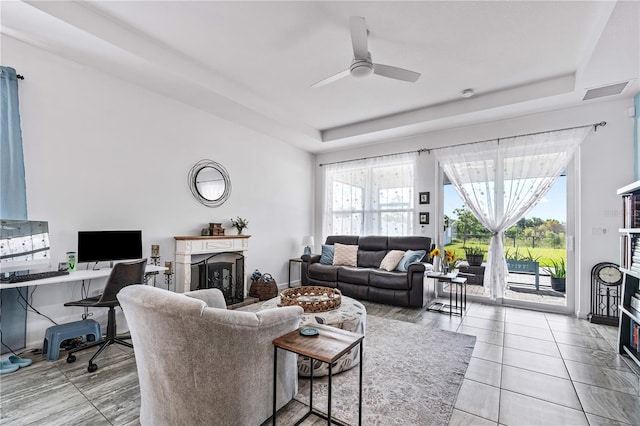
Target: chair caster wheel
x: 92, y: 367
x: 71, y: 358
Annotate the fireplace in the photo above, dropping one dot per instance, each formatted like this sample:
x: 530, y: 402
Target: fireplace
x: 224, y: 271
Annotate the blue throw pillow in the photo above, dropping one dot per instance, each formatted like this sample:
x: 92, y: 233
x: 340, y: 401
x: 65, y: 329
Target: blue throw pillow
x: 410, y: 256
x: 327, y: 255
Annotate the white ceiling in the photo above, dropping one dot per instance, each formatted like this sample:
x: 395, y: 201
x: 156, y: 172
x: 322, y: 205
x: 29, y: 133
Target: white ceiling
x: 253, y: 62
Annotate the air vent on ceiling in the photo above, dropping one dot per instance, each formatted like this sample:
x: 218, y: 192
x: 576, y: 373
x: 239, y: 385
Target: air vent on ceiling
x: 599, y: 92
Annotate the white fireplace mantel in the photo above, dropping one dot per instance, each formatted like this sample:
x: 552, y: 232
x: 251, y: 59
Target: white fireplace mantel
x: 196, y: 245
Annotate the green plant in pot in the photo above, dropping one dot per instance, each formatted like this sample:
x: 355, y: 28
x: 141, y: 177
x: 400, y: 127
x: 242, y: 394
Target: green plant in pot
x: 474, y: 255
x: 240, y: 223
x: 558, y: 272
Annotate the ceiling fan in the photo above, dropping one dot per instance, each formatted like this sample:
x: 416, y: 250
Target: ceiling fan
x: 361, y: 65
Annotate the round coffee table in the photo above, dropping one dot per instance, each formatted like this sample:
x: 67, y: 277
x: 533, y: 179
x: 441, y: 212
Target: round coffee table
x: 351, y: 315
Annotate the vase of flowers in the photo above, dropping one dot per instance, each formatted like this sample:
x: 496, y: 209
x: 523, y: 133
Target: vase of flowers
x: 450, y: 260
x: 435, y: 259
x: 240, y: 223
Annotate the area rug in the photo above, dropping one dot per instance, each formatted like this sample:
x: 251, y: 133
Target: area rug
x: 411, y: 376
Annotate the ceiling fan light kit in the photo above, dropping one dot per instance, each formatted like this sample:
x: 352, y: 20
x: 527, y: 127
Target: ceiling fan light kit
x: 362, y: 65
x: 361, y: 68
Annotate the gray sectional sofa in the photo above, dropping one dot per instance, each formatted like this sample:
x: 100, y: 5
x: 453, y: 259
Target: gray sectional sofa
x: 367, y: 281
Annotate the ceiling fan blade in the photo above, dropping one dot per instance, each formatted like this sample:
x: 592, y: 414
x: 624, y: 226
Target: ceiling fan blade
x: 359, y: 37
x: 395, y: 72
x: 331, y: 79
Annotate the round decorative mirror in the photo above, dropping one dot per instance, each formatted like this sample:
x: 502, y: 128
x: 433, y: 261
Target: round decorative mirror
x: 209, y: 183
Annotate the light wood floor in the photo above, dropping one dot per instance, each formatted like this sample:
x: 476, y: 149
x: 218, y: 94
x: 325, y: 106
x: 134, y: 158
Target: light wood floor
x: 528, y: 368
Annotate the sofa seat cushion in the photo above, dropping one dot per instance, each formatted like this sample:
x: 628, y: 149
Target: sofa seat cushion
x: 390, y: 280
x: 318, y: 271
x: 351, y: 275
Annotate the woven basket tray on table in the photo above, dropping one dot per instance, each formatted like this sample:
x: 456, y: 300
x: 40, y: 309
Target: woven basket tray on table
x: 312, y: 298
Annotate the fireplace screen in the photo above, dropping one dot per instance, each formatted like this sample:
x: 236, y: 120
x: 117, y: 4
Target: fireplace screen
x: 224, y: 271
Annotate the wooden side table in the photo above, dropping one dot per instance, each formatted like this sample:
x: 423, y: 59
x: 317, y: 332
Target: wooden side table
x: 331, y: 344
x: 298, y: 261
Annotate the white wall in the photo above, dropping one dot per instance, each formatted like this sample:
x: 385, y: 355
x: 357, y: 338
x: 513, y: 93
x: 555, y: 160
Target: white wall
x: 605, y: 163
x: 104, y: 154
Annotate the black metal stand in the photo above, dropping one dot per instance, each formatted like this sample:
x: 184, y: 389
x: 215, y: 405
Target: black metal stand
x: 457, y: 308
x: 294, y: 260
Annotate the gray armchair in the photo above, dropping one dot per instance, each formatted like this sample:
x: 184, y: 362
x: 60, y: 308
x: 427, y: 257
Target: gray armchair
x: 199, y: 363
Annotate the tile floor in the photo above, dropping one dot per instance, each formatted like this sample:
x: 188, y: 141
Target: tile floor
x: 534, y: 368
x: 527, y: 368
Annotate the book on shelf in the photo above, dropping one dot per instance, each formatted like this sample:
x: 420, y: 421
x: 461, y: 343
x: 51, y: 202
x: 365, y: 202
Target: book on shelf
x: 631, y: 210
x: 635, y: 303
x: 634, y: 335
x: 624, y: 244
x: 630, y: 252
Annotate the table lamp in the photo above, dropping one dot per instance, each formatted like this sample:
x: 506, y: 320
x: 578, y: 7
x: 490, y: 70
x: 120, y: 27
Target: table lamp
x: 307, y: 242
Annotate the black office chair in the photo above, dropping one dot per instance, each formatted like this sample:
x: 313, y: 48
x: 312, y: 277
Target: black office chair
x: 122, y: 275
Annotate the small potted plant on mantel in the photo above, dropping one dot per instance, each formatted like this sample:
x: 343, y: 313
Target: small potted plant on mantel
x: 240, y: 223
x: 474, y: 255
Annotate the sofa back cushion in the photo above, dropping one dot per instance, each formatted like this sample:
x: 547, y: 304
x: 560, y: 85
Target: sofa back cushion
x: 410, y: 243
x: 371, y: 251
x: 373, y: 243
x: 342, y: 239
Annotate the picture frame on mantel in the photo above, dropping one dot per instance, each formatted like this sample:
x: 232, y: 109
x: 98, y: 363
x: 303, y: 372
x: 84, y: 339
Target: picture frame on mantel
x: 424, y: 197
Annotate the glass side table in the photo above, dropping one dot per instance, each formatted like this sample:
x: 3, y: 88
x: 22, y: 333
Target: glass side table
x: 457, y: 287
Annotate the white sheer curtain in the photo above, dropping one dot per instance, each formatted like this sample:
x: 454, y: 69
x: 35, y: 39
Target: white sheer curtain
x: 374, y: 196
x: 501, y: 180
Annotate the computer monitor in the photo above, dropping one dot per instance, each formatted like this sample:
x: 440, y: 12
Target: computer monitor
x: 99, y: 246
x: 24, y: 244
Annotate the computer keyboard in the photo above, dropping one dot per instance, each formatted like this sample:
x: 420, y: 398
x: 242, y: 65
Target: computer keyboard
x: 32, y: 277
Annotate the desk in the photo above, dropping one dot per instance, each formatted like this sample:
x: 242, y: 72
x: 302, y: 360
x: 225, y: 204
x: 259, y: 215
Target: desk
x: 77, y: 275
x: 298, y: 261
x: 460, y: 284
x: 14, y: 318
x: 329, y: 346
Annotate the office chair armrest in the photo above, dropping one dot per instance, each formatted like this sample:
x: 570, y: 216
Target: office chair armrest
x: 211, y: 296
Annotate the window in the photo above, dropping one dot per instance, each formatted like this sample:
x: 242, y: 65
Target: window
x: 370, y: 197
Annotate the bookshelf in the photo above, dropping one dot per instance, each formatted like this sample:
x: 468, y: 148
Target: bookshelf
x: 629, y: 326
